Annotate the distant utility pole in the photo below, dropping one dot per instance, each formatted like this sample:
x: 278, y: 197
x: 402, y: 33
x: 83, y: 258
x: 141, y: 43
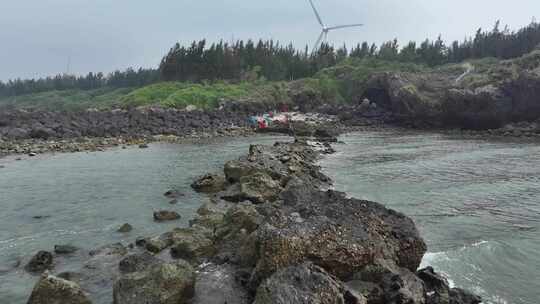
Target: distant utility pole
x: 68, y: 65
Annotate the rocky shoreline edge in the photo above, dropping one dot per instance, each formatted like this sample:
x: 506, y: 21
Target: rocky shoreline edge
x: 37, y: 132
x: 272, y: 231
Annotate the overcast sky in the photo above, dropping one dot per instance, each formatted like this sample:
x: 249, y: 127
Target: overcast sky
x: 38, y: 36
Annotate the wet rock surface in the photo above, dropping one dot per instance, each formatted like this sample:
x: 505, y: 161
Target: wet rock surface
x: 54, y: 290
x: 209, y: 183
x: 65, y: 249
x: 125, y: 228
x: 165, y: 215
x: 218, y: 284
x: 439, y: 292
x: 163, y: 283
x: 40, y: 262
x: 304, y: 284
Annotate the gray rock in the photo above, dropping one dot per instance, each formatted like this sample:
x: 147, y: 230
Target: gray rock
x: 259, y: 188
x: 53, y: 290
x: 156, y: 244
x: 217, y: 284
x: 65, y: 249
x: 304, y: 284
x: 439, y: 292
x: 165, y: 283
x: 137, y: 262
x: 40, y: 262
x: 173, y: 194
x: 340, y: 234
x: 165, y: 215
x: 192, y: 245
x: 209, y: 183
x: 125, y: 228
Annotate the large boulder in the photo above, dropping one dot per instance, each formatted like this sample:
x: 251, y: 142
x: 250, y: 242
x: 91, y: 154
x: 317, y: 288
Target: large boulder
x: 137, y: 262
x: 157, y: 243
x: 259, y: 188
x: 192, y: 245
x: 340, y: 234
x: 218, y: 284
x: 386, y: 283
x: 53, y: 290
x: 164, y: 283
x: 210, y: 215
x: 305, y: 284
x: 209, y: 183
x: 42, y: 133
x: 439, y: 292
x: 166, y: 215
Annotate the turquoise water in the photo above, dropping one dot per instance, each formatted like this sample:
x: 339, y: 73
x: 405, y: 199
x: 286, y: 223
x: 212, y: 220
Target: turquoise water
x: 476, y: 203
x: 84, y: 197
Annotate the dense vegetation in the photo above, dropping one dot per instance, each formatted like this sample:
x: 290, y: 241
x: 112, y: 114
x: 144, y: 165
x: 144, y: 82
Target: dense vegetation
x: 119, y: 79
x: 276, y: 62
x: 204, y: 74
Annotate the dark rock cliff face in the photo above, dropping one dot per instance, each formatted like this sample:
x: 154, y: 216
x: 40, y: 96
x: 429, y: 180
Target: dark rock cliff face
x: 505, y: 92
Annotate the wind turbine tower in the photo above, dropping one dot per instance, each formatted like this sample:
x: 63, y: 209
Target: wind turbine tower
x: 325, y: 29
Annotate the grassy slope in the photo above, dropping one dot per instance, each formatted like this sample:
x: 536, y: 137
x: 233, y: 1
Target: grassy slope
x: 69, y: 99
x: 203, y: 96
x: 336, y: 84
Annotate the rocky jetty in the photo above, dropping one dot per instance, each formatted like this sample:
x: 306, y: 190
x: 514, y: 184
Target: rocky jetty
x: 273, y: 232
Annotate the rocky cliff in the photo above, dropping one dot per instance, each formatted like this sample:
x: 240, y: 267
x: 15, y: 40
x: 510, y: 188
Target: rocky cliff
x: 486, y: 96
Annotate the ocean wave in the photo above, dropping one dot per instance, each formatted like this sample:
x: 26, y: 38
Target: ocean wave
x: 431, y: 259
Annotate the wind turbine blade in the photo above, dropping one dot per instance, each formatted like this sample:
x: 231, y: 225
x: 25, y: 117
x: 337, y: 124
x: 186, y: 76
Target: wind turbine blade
x: 316, y: 45
x: 316, y: 13
x: 344, y: 26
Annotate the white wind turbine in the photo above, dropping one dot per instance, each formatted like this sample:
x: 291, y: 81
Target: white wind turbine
x: 325, y: 29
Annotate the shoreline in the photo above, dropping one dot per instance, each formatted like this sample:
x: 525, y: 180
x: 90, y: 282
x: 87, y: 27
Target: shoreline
x: 34, y: 147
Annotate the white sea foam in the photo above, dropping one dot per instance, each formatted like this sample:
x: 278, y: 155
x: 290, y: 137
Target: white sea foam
x: 433, y: 259
x: 480, y: 243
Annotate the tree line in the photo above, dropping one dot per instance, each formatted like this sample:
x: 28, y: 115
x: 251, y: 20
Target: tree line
x: 250, y: 60
x: 269, y: 59
x: 90, y: 81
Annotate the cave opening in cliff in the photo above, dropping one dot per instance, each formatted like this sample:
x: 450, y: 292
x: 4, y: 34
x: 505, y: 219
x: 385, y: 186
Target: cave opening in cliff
x: 378, y: 96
